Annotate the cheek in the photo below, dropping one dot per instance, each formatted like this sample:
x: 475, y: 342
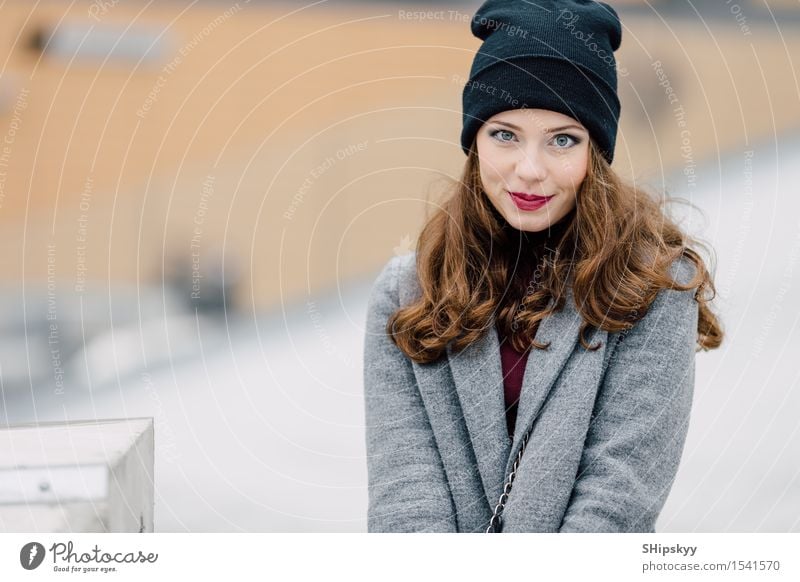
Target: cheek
x: 577, y: 179
x: 572, y: 173
x: 490, y: 170
x: 492, y: 160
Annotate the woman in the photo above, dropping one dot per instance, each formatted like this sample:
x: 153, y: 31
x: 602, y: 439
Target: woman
x: 530, y: 368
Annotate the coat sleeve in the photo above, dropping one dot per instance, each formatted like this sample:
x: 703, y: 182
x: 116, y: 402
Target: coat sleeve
x: 641, y: 417
x: 407, y: 487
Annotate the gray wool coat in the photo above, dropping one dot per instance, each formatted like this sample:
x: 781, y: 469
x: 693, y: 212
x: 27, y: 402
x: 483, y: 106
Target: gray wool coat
x: 609, y: 425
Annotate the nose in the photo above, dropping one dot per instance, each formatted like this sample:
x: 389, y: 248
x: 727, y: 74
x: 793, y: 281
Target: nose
x: 531, y: 167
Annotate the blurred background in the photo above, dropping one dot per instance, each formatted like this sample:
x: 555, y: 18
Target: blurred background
x: 195, y: 197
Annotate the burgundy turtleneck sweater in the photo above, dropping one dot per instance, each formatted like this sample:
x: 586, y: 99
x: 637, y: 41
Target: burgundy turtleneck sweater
x: 513, y: 363
x: 530, y: 244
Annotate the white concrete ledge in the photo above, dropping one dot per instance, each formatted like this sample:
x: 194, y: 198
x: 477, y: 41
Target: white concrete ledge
x: 85, y: 476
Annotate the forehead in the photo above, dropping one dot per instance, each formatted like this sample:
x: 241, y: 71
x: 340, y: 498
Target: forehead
x: 534, y: 119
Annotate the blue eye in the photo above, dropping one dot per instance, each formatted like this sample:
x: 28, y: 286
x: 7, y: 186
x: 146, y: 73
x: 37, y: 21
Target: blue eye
x: 565, y: 146
x: 498, y: 131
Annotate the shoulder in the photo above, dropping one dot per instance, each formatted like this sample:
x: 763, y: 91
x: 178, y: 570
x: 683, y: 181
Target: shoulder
x: 673, y: 312
x: 682, y: 271
x: 398, y: 278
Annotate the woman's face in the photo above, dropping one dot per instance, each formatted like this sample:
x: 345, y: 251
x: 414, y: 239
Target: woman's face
x: 532, y: 162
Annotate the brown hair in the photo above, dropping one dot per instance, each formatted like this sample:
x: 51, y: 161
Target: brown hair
x: 615, y: 249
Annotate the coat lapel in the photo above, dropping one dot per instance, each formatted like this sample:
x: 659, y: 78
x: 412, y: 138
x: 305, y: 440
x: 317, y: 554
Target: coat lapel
x: 478, y: 376
x: 560, y: 330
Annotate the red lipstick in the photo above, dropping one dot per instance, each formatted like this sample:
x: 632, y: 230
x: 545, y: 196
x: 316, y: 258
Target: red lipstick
x: 525, y: 201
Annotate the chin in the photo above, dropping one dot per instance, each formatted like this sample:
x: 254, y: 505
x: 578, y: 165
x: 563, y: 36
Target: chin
x: 528, y: 224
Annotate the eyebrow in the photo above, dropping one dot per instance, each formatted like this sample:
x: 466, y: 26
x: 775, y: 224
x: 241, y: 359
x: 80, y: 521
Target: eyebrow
x: 551, y: 130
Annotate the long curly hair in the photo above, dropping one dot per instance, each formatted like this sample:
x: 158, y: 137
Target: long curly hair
x: 614, y: 249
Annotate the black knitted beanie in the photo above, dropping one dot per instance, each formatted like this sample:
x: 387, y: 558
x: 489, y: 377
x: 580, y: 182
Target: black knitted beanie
x: 545, y: 54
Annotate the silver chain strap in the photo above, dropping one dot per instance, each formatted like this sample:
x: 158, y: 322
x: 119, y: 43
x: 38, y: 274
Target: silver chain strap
x: 495, y: 524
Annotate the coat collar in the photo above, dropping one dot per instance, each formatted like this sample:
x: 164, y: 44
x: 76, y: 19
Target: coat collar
x: 478, y: 376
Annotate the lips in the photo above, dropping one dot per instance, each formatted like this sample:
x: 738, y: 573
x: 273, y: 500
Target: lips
x: 525, y: 201
x: 529, y: 197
